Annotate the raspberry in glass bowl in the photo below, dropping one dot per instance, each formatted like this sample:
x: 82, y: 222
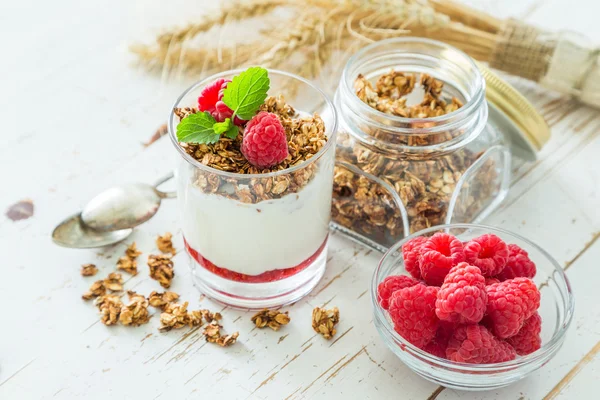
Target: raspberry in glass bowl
x: 471, y: 307
x: 254, y: 188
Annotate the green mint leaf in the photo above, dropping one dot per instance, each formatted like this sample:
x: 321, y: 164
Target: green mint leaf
x: 197, y: 128
x: 248, y: 90
x: 232, y: 132
x: 222, y: 127
x: 226, y: 127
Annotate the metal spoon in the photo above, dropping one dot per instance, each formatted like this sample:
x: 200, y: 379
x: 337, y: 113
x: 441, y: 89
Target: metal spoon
x: 75, y: 233
x: 123, y: 207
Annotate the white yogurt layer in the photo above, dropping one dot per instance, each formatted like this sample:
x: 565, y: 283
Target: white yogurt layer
x: 255, y: 238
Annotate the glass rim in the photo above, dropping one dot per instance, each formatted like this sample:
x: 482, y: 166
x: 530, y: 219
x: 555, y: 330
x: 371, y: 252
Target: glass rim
x: 540, y: 354
x: 195, y: 163
x: 465, y: 111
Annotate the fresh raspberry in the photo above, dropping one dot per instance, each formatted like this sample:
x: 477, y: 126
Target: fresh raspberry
x: 462, y: 297
x: 528, y: 339
x: 210, y: 100
x: 437, y: 346
x: 411, y: 252
x: 412, y: 310
x: 510, y: 303
x: 439, y: 254
x: 264, y: 143
x: 390, y: 285
x: 491, y: 281
x: 210, y: 95
x: 474, y: 344
x: 518, y: 264
x: 488, y: 252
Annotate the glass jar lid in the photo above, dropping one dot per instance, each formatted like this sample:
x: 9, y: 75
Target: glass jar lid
x: 515, y: 116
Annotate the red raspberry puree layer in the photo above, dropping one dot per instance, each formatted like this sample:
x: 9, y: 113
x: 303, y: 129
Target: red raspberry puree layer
x: 265, y: 277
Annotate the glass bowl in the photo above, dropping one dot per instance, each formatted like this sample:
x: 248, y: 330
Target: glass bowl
x: 556, y: 310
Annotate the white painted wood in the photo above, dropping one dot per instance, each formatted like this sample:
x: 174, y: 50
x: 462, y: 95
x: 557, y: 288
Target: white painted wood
x: 77, y: 113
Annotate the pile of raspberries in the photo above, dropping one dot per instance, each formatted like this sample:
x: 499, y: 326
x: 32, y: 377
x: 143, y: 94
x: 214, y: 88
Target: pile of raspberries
x: 470, y: 302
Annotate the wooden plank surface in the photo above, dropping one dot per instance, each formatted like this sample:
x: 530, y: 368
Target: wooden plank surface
x: 78, y: 113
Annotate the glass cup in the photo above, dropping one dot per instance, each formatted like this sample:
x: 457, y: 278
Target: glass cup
x: 258, y: 240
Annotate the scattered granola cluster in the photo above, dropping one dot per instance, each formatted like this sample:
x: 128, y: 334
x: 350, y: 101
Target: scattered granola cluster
x: 161, y: 300
x: 424, y: 184
x: 161, y: 269
x: 88, y: 270
x: 176, y: 316
x: 274, y: 319
x: 165, y: 243
x: 113, y: 282
x: 128, y: 262
x: 136, y: 312
x: 324, y: 321
x: 305, y: 137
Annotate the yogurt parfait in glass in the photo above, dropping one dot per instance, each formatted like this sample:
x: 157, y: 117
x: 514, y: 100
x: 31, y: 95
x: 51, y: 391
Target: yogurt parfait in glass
x: 254, y: 184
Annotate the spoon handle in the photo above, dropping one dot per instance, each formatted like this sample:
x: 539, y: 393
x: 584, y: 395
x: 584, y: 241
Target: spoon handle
x: 165, y: 195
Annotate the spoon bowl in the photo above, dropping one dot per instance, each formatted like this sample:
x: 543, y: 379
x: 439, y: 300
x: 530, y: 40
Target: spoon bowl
x: 125, y: 206
x: 121, y: 207
x: 73, y: 233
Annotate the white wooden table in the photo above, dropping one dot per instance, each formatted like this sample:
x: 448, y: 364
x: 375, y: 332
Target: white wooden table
x: 77, y: 115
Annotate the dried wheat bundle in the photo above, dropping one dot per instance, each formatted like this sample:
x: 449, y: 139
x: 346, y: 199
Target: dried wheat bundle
x: 317, y: 36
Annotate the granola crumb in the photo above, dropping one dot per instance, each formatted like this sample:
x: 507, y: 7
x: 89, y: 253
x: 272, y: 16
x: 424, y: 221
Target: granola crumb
x: 128, y: 262
x: 271, y: 318
x: 132, y: 251
x: 161, y: 269
x: 161, y: 300
x: 212, y: 333
x: 136, y: 312
x: 113, y: 282
x: 128, y: 265
x: 165, y: 244
x: 176, y: 316
x: 324, y: 321
x: 96, y: 290
x: 211, y: 316
x: 110, y: 308
x: 88, y: 270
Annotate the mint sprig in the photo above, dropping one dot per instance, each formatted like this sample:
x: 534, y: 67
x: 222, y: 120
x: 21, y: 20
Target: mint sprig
x: 244, y: 95
x: 247, y: 91
x: 198, y: 128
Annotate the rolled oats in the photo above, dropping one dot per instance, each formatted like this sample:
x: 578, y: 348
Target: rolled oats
x: 212, y: 333
x: 161, y: 269
x: 110, y: 306
x: 128, y: 265
x: 114, y: 282
x: 271, y: 318
x: 161, y: 300
x: 176, y: 316
x: 324, y: 321
x: 136, y: 312
x: 165, y: 244
x: 88, y: 270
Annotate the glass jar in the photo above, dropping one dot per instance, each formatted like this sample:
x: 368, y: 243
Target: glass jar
x: 394, y: 175
x: 258, y: 240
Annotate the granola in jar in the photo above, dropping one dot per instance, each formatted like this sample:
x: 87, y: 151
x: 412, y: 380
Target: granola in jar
x: 413, y: 151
